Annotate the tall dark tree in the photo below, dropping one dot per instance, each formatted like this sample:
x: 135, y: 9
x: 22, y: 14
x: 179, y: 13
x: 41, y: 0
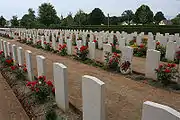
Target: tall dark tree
x: 68, y: 21
x: 2, y: 21
x: 81, y: 18
x: 158, y: 17
x: 143, y: 15
x: 14, y: 21
x: 127, y: 16
x: 176, y: 20
x: 114, y: 20
x: 47, y: 14
x: 29, y: 20
x: 96, y: 17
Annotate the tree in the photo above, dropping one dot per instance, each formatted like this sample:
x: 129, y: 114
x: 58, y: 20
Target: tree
x: 29, y: 20
x: 159, y: 16
x: 14, y: 21
x: 47, y: 14
x: 81, y: 18
x: 96, y: 17
x: 176, y: 20
x: 68, y: 21
x: 127, y: 16
x: 143, y: 15
x: 2, y: 21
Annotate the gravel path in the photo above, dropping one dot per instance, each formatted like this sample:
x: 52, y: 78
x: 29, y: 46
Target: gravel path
x: 124, y: 97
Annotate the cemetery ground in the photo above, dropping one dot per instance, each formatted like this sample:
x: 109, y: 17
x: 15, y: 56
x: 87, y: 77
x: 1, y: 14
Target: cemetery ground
x: 124, y: 97
x: 10, y: 107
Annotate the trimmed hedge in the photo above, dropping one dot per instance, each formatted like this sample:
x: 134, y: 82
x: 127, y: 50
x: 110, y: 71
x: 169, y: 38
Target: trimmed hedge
x: 129, y: 29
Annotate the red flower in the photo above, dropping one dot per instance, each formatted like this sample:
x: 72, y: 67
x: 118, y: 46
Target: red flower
x: 157, y: 43
x: 24, y: 65
x: 25, y: 69
x: 169, y: 65
x: 53, y: 90
x: 83, y: 48
x: 95, y: 41
x: 49, y: 83
x: 167, y: 70
x: 37, y: 89
x: 9, y: 61
x: 160, y: 66
x: 173, y: 65
x: 1, y: 52
x: 28, y: 84
x: 115, y: 54
x: 141, y: 46
x: 45, y: 42
x: 13, y: 67
x: 40, y: 77
x: 76, y: 47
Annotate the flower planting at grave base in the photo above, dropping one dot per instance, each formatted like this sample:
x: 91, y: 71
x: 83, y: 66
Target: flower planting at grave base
x: 38, y: 94
x: 140, y: 51
x: 41, y: 89
x: 48, y: 46
x: 166, y: 73
x: 162, y: 50
x: 81, y: 54
x: 63, y: 49
x: 29, y: 42
x: 38, y: 44
x: 112, y: 61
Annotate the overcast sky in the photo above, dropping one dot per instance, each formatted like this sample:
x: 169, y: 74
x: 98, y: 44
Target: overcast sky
x: 8, y: 8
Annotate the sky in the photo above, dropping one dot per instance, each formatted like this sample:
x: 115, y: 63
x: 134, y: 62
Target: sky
x: 170, y: 8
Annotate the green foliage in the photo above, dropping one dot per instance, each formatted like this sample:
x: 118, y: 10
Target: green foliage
x: 2, y: 21
x: 166, y: 72
x: 68, y: 21
x: 158, y: 17
x: 96, y: 17
x: 143, y: 15
x: 112, y: 61
x: 41, y: 89
x: 29, y: 20
x: 176, y: 20
x: 127, y: 16
x: 14, y: 21
x: 81, y: 18
x: 47, y: 14
x: 162, y: 50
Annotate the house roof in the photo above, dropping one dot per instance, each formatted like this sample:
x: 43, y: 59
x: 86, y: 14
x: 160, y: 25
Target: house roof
x: 167, y: 22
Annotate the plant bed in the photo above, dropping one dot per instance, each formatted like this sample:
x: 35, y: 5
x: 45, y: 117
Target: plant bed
x: 38, y: 106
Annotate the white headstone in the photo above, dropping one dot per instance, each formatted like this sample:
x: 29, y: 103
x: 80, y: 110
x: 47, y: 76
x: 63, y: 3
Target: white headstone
x: 20, y: 56
x: 14, y: 53
x: 100, y: 42
x: 1, y: 44
x: 93, y: 96
x: 151, y: 44
x: 122, y: 43
x: 127, y: 55
x: 5, y: 49
x: 54, y: 43
x: 92, y: 50
x: 41, y: 65
x: 61, y: 85
x: 28, y: 55
x: 106, y: 48
x: 152, y: 62
x: 9, y: 49
x: 69, y: 46
x: 171, y: 50
x: 155, y: 111
x: 79, y: 44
